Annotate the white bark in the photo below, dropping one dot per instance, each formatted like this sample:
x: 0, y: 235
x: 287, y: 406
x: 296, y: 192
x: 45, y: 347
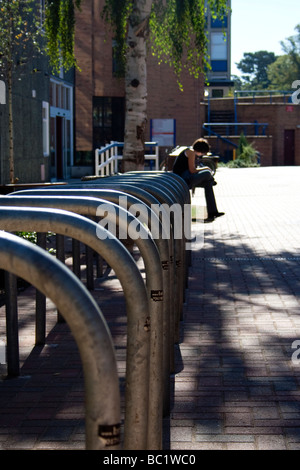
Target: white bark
x: 136, y: 86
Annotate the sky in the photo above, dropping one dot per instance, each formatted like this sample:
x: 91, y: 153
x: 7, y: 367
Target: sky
x: 258, y: 25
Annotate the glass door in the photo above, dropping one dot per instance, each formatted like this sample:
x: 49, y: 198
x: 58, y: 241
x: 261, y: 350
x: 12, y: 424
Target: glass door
x: 61, y: 130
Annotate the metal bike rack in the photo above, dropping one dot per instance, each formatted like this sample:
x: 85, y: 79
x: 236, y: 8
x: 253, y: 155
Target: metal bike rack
x: 164, y: 196
x: 155, y: 289
x: 170, y: 190
x: 102, y: 396
x: 83, y: 201
x: 147, y: 195
x: 138, y: 347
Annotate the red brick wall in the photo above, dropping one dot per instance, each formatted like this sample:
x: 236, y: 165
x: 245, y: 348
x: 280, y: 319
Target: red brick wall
x: 264, y: 145
x: 279, y: 115
x: 167, y: 101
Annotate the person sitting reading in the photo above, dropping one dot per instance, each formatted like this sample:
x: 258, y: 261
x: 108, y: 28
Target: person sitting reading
x: 185, y: 166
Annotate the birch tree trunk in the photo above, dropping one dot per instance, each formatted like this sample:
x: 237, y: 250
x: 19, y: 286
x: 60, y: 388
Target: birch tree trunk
x: 136, y: 86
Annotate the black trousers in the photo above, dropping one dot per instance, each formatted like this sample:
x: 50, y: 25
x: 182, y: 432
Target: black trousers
x: 203, y: 179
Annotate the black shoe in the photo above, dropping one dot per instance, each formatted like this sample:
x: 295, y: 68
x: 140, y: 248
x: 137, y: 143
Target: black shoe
x: 219, y: 214
x: 209, y: 219
x: 212, y: 217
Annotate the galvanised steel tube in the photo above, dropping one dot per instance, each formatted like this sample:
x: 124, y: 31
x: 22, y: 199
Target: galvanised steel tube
x: 179, y: 244
x: 102, y: 396
x: 162, y: 182
x: 184, y: 189
x: 155, y: 287
x: 154, y: 281
x: 161, y: 241
x: 181, y: 185
x: 164, y: 179
x: 87, y: 206
x: 187, y: 197
x: 138, y: 347
x: 170, y: 182
x: 147, y: 198
x: 164, y: 197
x: 177, y: 190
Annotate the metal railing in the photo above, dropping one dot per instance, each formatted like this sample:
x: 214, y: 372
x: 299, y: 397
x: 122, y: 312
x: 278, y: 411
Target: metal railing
x: 107, y: 158
x: 235, y: 128
x: 270, y: 94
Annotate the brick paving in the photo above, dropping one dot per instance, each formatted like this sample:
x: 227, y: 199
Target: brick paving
x: 238, y: 387
x: 235, y: 385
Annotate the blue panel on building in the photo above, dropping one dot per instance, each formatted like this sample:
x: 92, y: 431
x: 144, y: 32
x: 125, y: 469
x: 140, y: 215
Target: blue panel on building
x: 219, y: 65
x: 217, y: 23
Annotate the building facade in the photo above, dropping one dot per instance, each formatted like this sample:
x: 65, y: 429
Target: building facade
x: 174, y: 117
x: 60, y: 119
x: 43, y: 121
x: 269, y: 121
x: 30, y: 96
x: 219, y: 82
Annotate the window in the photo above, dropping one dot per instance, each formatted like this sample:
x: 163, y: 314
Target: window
x: 60, y: 95
x: 217, y: 93
x: 45, y: 114
x: 61, y: 128
x: 218, y: 46
x: 108, y: 120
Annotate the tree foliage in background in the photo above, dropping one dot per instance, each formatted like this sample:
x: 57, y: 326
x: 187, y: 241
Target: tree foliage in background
x: 286, y: 69
x: 291, y: 47
x: 176, y: 30
x: 282, y: 73
x: 264, y: 70
x: 254, y: 68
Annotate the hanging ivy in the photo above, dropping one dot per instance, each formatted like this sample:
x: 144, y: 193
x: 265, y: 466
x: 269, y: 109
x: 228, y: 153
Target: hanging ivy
x: 177, y: 30
x: 178, y: 33
x: 116, y: 13
x: 60, y: 31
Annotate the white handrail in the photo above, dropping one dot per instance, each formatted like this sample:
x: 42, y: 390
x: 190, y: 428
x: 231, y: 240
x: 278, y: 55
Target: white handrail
x: 106, y: 158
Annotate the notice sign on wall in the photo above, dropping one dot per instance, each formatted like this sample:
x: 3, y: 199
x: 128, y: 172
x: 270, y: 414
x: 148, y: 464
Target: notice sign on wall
x: 163, y: 132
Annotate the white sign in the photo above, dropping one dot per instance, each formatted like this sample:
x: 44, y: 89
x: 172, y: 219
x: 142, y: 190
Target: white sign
x: 163, y: 132
x: 2, y: 352
x: 2, y: 93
